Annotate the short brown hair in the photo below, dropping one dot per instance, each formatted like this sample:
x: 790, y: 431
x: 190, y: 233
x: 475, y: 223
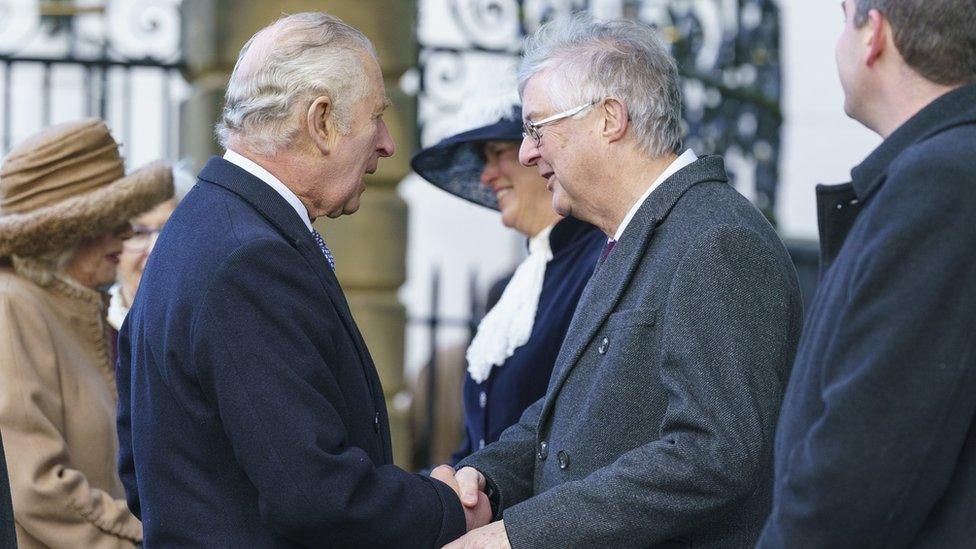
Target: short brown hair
x: 937, y: 38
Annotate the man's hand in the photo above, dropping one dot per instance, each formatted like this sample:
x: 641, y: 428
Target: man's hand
x: 492, y: 536
x: 477, y: 508
x: 467, y: 482
x: 445, y: 474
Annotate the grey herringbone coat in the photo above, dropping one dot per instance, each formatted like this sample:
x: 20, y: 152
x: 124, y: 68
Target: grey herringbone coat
x: 657, y: 426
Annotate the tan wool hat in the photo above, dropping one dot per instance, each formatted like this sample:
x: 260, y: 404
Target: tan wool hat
x: 66, y: 184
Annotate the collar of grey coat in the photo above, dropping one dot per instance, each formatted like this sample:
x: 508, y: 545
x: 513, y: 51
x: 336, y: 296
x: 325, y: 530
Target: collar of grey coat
x: 951, y: 109
x: 604, y: 289
x: 276, y: 210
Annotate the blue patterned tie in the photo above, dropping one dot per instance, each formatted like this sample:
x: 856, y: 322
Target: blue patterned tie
x: 325, y: 249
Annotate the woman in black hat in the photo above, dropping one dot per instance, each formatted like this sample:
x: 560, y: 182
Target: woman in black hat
x: 512, y: 355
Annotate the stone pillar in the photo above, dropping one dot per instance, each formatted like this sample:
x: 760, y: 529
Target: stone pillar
x: 370, y: 246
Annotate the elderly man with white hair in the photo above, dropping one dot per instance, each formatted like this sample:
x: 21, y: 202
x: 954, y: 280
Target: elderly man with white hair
x: 250, y: 413
x: 657, y: 426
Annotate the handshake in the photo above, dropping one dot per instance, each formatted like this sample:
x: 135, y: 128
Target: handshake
x: 469, y: 485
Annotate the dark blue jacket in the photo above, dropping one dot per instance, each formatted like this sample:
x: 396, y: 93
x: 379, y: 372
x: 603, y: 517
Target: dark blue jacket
x: 876, y: 444
x: 492, y: 406
x: 250, y: 411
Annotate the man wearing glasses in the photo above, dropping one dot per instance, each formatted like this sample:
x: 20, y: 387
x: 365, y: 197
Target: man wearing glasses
x: 657, y: 426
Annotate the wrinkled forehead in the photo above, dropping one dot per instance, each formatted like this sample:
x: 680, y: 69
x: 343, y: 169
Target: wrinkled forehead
x: 376, y: 96
x: 536, y: 97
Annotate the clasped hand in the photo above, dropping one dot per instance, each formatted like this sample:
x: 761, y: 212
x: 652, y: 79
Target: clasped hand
x: 469, y: 485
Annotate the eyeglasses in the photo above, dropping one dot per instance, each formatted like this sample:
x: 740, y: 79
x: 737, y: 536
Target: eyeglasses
x: 531, y: 129
x: 140, y: 239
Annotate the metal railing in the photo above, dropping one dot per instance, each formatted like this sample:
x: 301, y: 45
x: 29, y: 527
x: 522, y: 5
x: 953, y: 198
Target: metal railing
x: 118, y: 60
x: 97, y: 95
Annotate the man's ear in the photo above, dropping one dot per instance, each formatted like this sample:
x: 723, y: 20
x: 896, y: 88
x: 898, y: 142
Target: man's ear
x: 877, y: 36
x: 616, y: 119
x: 321, y: 127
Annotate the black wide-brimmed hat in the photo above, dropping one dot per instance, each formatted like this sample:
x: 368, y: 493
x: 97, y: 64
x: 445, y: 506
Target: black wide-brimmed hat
x: 455, y: 164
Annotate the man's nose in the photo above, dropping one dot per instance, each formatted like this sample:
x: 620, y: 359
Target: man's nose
x: 385, y: 146
x: 528, y: 152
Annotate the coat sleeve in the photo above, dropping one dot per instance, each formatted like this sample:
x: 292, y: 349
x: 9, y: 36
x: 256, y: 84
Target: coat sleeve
x: 728, y: 334
x: 898, y: 385
x: 258, y: 346
x: 52, y: 500
x: 123, y: 421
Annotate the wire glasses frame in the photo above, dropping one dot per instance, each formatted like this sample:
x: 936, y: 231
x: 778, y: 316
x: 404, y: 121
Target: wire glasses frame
x: 531, y: 129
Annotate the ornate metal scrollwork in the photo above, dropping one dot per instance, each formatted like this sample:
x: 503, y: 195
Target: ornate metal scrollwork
x: 116, y: 30
x: 147, y: 29
x: 490, y: 24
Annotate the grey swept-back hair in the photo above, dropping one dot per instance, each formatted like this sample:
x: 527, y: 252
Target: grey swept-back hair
x: 313, y: 54
x: 589, y: 60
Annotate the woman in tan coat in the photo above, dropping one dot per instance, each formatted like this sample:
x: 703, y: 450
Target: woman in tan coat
x: 64, y: 205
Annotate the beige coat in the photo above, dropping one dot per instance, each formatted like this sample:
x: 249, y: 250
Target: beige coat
x: 57, y: 417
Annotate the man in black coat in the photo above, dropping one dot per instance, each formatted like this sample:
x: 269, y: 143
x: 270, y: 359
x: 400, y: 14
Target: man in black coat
x: 876, y: 444
x: 250, y: 411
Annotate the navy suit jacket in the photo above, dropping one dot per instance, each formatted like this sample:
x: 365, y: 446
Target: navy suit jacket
x: 250, y: 411
x: 876, y: 444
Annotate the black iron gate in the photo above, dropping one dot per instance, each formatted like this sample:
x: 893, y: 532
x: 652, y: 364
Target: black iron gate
x: 120, y: 60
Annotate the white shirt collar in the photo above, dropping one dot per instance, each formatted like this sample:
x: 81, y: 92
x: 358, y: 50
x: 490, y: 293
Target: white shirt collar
x: 252, y: 168
x: 686, y: 158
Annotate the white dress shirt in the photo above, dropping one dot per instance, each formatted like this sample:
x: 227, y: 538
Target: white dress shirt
x: 686, y: 158
x: 252, y: 168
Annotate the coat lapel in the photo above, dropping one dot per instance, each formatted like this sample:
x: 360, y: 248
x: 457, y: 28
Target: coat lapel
x: 612, y: 276
x: 283, y: 217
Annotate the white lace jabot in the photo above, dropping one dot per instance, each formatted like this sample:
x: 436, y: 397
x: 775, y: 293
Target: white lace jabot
x: 508, y: 325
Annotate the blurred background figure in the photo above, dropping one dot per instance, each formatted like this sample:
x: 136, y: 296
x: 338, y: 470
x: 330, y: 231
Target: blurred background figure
x: 65, y: 202
x: 512, y: 354
x: 136, y: 250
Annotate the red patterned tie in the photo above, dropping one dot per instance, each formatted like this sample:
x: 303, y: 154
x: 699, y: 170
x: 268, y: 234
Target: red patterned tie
x: 607, y: 248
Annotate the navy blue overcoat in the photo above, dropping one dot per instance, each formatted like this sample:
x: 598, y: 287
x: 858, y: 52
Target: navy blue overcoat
x: 250, y: 411
x: 876, y: 443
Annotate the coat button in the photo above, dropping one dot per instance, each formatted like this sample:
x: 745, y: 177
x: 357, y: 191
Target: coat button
x: 481, y: 444
x: 483, y: 399
x: 603, y: 346
x: 543, y: 450
x: 563, y: 458
x: 376, y: 422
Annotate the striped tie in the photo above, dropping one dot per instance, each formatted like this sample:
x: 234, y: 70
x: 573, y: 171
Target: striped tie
x: 325, y: 249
